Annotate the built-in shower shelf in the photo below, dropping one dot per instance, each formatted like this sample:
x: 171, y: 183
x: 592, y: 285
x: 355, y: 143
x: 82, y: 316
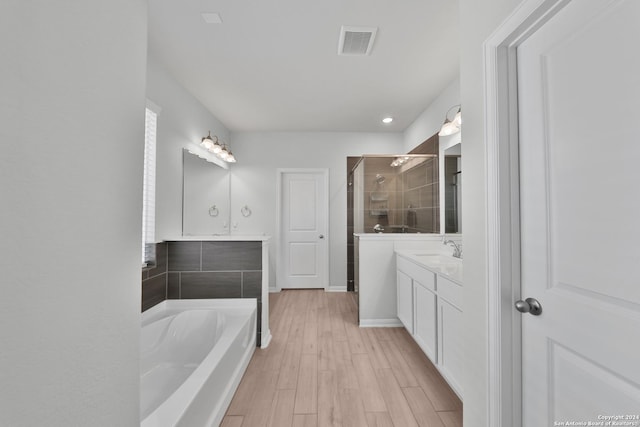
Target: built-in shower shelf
x: 379, y: 197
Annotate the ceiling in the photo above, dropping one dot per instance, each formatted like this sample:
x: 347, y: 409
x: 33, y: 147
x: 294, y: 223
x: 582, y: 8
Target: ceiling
x: 273, y: 65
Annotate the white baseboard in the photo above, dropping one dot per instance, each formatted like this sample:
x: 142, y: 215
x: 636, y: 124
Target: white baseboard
x: 265, y: 338
x: 330, y: 289
x: 380, y: 323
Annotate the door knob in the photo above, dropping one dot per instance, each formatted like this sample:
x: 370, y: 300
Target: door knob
x: 321, y: 236
x: 530, y: 305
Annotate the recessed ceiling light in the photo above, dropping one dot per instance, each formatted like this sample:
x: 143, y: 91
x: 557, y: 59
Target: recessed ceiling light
x: 387, y: 120
x: 211, y: 18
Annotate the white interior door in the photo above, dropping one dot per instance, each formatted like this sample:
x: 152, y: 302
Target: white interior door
x: 579, y: 104
x: 303, y: 240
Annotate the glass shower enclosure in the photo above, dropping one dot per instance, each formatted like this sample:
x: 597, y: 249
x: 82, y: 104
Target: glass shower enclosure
x: 396, y: 194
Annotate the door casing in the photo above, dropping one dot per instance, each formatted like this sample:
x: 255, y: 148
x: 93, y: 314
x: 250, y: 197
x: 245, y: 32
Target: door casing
x: 503, y: 228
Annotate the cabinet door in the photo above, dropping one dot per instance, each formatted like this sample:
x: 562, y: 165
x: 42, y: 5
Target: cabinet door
x: 405, y: 301
x: 425, y: 320
x: 450, y: 344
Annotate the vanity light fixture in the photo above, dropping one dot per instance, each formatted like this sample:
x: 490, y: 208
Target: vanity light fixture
x: 450, y: 127
x: 213, y: 145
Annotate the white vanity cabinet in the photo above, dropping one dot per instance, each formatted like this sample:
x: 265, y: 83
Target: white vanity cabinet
x: 429, y: 306
x: 425, y: 319
x: 417, y: 304
x: 405, y: 300
x: 450, y: 343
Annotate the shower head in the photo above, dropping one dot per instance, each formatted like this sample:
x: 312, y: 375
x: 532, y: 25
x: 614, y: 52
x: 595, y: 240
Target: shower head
x: 380, y: 178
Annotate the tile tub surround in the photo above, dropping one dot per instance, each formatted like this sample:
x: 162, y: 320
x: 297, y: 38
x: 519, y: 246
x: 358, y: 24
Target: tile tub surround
x: 216, y: 269
x: 154, y: 279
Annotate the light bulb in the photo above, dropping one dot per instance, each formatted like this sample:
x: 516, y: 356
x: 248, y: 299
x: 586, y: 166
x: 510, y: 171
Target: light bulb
x: 207, y: 143
x: 216, y: 148
x: 448, y: 128
x: 457, y: 120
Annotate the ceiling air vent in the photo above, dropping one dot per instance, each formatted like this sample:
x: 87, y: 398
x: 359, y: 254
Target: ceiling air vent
x: 356, y: 40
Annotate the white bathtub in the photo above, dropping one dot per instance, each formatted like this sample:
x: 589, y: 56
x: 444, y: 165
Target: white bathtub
x: 193, y: 355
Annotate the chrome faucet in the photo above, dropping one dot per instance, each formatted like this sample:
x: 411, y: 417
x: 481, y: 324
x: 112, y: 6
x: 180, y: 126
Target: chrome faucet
x: 457, y: 248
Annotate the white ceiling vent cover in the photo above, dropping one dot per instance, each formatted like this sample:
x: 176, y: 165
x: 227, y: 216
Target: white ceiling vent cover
x: 356, y: 40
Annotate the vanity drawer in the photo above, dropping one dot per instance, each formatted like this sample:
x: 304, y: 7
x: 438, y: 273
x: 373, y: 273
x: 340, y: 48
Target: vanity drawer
x: 420, y: 274
x: 450, y: 291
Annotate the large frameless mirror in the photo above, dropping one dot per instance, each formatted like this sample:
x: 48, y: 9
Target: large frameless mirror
x: 205, y: 197
x: 452, y: 195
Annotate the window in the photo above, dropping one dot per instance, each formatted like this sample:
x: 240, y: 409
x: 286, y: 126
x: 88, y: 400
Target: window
x: 149, y: 188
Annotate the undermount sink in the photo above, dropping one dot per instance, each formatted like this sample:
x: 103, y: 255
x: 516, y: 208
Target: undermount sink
x: 439, y: 259
x: 447, y: 265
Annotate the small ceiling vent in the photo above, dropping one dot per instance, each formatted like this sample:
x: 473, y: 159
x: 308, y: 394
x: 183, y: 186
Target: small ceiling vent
x: 356, y: 40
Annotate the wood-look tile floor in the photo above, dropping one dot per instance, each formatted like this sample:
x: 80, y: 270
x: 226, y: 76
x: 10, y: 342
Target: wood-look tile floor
x: 321, y: 369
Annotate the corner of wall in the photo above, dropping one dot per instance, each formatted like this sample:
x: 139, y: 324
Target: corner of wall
x: 430, y: 120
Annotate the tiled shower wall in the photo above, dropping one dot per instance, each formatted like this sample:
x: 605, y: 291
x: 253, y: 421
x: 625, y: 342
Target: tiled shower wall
x: 420, y: 198
x: 201, y: 269
x: 407, y: 200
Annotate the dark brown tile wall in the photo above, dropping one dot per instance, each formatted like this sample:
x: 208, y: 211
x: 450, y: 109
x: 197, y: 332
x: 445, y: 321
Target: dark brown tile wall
x: 380, y: 199
x: 154, y: 291
x: 409, y: 198
x: 426, y: 214
x: 185, y: 256
x: 351, y: 163
x: 154, y: 279
x: 450, y: 166
x: 215, y: 270
x: 430, y: 146
x: 223, y: 256
x: 210, y: 285
x: 420, y: 198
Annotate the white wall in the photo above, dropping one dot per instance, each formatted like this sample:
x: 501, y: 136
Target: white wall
x: 477, y: 21
x: 432, y: 118
x: 183, y: 121
x: 253, y: 181
x: 72, y: 132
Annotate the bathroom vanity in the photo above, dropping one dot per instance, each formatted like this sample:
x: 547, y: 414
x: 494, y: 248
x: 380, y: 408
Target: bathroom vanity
x: 375, y: 273
x: 412, y: 280
x: 429, y: 305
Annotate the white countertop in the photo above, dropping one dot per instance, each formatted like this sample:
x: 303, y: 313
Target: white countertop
x: 439, y: 263
x: 398, y: 236
x: 222, y: 238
